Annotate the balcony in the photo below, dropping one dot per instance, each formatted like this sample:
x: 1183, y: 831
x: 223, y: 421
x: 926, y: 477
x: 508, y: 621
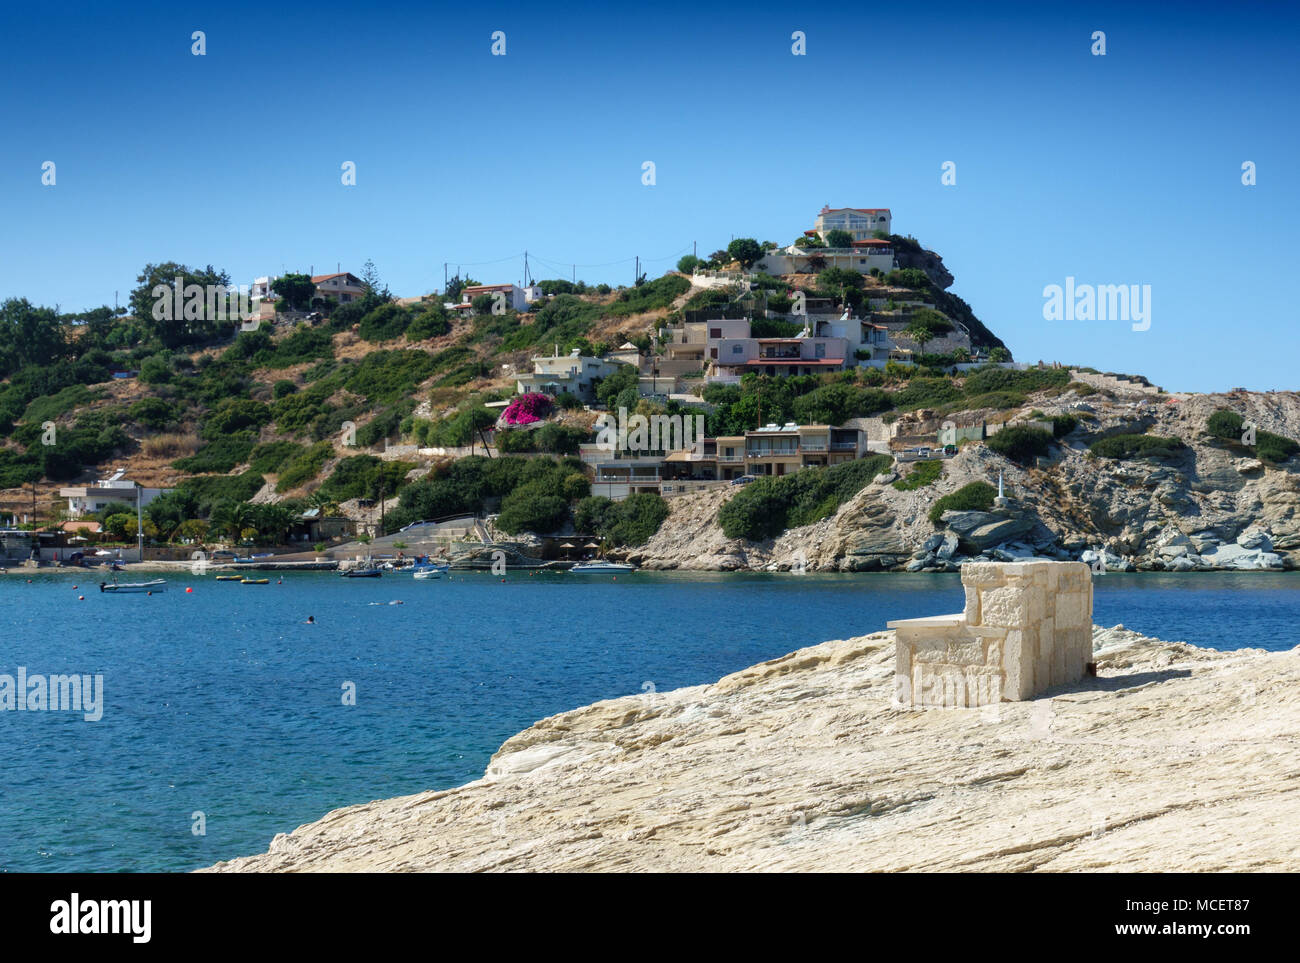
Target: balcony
x: 731, y: 459
x: 779, y: 354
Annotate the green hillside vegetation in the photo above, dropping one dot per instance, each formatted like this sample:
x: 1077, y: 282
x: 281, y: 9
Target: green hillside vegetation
x: 767, y: 507
x: 975, y: 497
x: 1124, y: 447
x: 1230, y: 426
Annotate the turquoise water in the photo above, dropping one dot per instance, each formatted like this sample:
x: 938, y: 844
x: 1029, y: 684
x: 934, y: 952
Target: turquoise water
x: 223, y: 702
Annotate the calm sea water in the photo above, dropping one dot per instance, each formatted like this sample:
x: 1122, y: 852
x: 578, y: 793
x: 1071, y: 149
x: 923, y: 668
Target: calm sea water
x: 222, y: 702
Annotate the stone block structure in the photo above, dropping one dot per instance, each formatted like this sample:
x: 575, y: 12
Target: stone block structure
x: 1027, y: 627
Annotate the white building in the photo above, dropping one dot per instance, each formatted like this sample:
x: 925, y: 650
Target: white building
x: 516, y: 298
x: 88, y: 499
x: 573, y: 373
x: 861, y: 257
x: 862, y: 222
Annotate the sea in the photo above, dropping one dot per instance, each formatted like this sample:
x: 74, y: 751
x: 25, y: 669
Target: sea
x: 224, y: 717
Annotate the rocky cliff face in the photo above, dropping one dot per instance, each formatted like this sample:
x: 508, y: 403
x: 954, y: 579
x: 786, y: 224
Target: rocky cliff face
x: 1210, y: 506
x: 1172, y: 759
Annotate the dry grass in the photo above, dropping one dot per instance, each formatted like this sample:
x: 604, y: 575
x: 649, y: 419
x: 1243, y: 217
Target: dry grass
x: 170, y: 445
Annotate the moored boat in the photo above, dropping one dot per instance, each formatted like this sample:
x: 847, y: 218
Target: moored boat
x: 601, y: 566
x: 156, y: 585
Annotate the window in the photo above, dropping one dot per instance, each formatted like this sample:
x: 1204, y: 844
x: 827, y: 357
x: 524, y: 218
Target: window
x: 713, y: 353
x: 819, y: 350
x: 737, y: 349
x: 715, y: 332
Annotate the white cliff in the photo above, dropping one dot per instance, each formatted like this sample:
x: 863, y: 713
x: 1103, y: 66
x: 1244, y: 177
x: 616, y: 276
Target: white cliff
x: 1173, y: 758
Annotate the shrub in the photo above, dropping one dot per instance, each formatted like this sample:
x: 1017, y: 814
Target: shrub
x: 154, y: 413
x: 975, y: 497
x: 1021, y: 443
x: 218, y: 455
x: 1230, y: 426
x: 268, y: 458
x: 633, y: 520
x: 923, y: 473
x: 527, y: 408
x: 1135, y: 446
x: 365, y: 476
x: 532, y: 511
x: 282, y: 388
x: 170, y: 445
x: 432, y: 323
x: 304, y: 467
x: 51, y: 406
x: 768, y: 506
x: 384, y: 323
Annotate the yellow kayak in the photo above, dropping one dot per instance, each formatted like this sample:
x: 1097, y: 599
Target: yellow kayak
x: 229, y: 578
x: 255, y: 581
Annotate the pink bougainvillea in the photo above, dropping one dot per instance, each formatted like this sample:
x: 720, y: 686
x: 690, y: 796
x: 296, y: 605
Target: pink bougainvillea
x: 526, y: 409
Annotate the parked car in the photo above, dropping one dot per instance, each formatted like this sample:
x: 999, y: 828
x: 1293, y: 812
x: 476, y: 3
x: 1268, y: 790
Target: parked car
x: 744, y: 479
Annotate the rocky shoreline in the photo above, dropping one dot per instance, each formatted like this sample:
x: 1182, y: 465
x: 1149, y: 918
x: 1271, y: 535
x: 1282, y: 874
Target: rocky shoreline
x: 1201, y: 508
x: 1173, y: 758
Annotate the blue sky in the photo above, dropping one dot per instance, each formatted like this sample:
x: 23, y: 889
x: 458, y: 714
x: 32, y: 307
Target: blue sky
x: 1122, y: 169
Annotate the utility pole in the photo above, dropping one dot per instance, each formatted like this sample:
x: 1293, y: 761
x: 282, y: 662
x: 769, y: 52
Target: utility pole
x: 444, y: 277
x: 636, y: 271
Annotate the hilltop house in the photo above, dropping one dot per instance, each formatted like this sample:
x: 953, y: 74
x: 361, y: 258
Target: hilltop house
x: 866, y: 253
x: 342, y: 287
x: 862, y: 222
x: 573, y: 373
x: 88, y: 499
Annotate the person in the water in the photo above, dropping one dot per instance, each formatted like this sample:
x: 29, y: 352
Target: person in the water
x: 311, y: 620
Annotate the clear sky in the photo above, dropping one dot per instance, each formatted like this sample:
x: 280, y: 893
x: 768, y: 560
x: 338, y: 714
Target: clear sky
x: 1116, y: 169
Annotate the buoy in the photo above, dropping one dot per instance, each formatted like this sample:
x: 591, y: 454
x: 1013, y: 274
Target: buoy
x: 148, y: 593
x: 189, y: 591
x: 74, y: 588
x: 81, y: 598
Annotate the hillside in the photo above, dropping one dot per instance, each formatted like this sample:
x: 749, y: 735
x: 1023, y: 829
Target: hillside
x: 379, y: 411
x: 304, y: 413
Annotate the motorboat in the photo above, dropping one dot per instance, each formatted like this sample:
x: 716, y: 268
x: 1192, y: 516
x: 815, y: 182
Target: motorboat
x: 427, y: 573
x: 156, y: 585
x: 599, y: 566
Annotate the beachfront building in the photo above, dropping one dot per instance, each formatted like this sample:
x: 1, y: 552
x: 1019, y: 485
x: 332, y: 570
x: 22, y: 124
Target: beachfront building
x: 784, y: 449
x: 342, y: 287
x: 89, y: 499
x: 573, y: 373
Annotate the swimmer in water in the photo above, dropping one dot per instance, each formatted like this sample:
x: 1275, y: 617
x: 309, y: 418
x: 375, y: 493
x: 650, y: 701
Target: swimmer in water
x: 311, y: 620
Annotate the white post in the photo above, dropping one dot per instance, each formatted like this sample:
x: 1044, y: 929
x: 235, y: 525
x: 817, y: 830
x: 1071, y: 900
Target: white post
x: 139, y: 526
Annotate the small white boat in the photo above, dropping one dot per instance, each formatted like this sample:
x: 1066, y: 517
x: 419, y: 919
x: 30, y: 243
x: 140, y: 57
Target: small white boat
x: 426, y: 573
x: 598, y: 567
x: 157, y: 585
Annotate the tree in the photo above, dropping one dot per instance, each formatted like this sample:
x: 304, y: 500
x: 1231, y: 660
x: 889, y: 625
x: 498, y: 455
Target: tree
x: 999, y: 355
x: 719, y: 258
x: 456, y: 285
x: 839, y: 238
x: 689, y: 263
x: 746, y: 250
x: 28, y: 335
x: 295, y: 291
x: 156, y: 311
x: 370, y: 277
